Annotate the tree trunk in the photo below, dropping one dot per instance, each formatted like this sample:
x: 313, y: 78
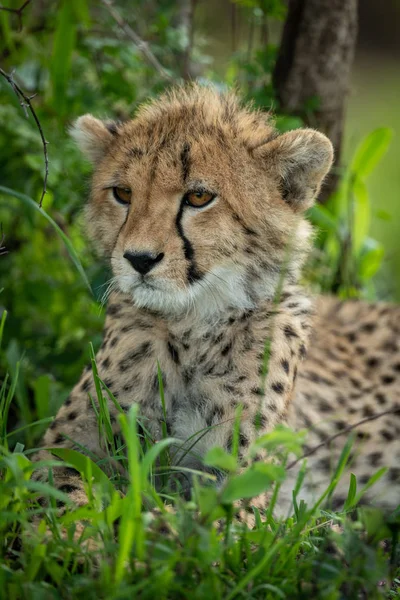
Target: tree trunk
x: 312, y: 72
x: 186, y: 21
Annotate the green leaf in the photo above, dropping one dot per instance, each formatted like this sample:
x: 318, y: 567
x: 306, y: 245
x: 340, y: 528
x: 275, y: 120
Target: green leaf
x: 207, y: 498
x: 370, y: 151
x: 254, y: 481
x: 88, y: 469
x: 371, y: 481
x: 131, y: 530
x: 218, y: 458
x: 70, y: 249
x: 151, y: 455
x: 323, y: 218
x: 370, y: 259
x: 374, y: 521
x: 281, y: 437
x: 351, y: 493
x: 361, y: 213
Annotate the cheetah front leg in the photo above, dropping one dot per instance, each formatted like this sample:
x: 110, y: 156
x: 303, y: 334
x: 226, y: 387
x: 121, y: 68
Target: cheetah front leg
x: 74, y: 427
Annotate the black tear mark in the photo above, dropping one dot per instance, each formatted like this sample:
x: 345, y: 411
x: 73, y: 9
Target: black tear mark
x: 193, y: 272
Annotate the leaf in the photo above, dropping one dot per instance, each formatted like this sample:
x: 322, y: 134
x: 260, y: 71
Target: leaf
x: 375, y: 523
x: 254, y: 481
x: 371, y: 258
x: 18, y: 466
x: 371, y: 481
x: 351, y: 493
x: 88, y: 469
x: 323, y: 218
x: 218, y: 458
x: 362, y: 213
x: 281, y: 437
x: 207, y: 499
x: 68, y: 244
x: 370, y: 151
x: 151, y: 455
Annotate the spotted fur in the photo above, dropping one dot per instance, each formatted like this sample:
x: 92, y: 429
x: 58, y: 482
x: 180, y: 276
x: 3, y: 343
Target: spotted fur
x: 225, y: 290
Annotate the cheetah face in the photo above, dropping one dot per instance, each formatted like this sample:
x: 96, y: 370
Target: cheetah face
x: 196, y: 201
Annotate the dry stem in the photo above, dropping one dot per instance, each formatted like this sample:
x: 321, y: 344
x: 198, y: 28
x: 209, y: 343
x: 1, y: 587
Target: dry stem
x: 25, y: 102
x: 137, y: 40
x: 17, y: 11
x: 330, y: 439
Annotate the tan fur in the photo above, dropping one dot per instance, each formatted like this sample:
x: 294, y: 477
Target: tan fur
x: 226, y: 282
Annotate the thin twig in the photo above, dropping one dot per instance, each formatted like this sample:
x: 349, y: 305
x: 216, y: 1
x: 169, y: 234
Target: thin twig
x: 25, y: 102
x: 393, y: 411
x: 17, y: 11
x: 142, y: 46
x: 3, y: 237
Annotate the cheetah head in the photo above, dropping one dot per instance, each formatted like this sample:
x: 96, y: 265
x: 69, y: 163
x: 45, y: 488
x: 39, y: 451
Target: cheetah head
x: 198, y: 202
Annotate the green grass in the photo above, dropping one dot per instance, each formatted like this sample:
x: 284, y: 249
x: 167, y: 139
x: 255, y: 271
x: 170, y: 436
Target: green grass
x: 134, y: 546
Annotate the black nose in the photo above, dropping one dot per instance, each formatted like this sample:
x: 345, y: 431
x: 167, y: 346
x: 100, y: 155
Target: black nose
x: 143, y: 262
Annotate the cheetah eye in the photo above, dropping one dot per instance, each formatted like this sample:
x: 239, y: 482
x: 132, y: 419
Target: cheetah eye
x: 122, y: 195
x: 198, y: 199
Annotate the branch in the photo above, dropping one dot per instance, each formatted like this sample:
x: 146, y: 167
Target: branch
x: 3, y: 237
x: 393, y: 411
x: 17, y: 11
x: 25, y: 102
x: 142, y: 46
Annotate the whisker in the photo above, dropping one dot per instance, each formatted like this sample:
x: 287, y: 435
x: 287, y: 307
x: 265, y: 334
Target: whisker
x: 111, y: 287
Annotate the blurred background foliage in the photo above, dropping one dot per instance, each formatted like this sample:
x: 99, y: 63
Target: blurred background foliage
x: 76, y: 59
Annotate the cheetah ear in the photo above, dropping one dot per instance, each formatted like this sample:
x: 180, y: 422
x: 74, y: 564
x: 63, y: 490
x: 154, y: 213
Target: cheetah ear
x: 301, y: 159
x: 93, y: 136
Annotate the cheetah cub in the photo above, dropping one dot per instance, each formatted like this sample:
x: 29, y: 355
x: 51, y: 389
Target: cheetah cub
x: 198, y: 203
